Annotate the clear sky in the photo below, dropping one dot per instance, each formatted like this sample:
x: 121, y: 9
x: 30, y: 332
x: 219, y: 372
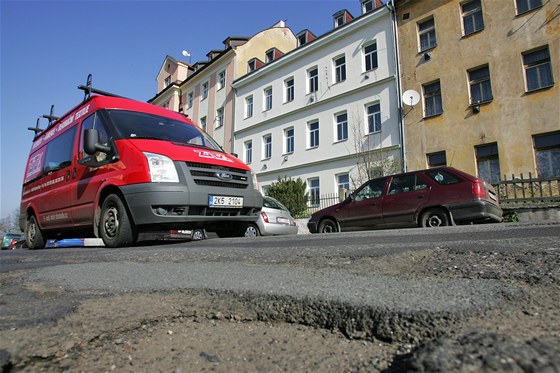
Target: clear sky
x: 49, y: 47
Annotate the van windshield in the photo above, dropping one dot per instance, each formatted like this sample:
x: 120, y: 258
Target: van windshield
x: 135, y: 125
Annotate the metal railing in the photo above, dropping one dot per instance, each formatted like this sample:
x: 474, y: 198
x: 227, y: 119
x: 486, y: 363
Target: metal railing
x: 532, y: 189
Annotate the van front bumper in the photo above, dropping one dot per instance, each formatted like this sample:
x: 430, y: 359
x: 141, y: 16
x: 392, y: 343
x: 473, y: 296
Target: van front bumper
x: 175, y: 205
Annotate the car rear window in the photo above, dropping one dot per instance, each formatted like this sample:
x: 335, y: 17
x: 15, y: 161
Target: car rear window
x: 443, y: 177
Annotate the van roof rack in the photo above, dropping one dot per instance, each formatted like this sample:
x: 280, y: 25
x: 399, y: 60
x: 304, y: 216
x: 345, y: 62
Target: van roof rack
x: 88, y: 90
x: 36, y: 129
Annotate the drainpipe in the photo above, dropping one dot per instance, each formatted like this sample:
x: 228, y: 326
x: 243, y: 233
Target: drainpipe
x: 392, y: 8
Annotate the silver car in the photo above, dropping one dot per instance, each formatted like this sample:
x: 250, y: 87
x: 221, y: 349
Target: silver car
x: 275, y: 219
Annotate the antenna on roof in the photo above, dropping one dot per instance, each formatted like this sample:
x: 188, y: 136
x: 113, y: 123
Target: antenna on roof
x: 36, y: 129
x: 88, y: 89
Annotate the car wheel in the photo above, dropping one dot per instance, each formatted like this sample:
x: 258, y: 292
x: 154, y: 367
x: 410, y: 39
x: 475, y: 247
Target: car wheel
x: 34, y: 235
x: 198, y: 234
x: 116, y: 228
x: 251, y: 230
x: 434, y: 218
x: 328, y: 226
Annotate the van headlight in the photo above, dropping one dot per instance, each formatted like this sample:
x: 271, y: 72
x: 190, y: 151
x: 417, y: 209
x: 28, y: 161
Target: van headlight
x: 162, y: 168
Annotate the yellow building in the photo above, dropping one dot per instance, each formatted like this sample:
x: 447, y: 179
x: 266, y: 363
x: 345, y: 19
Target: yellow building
x: 203, y: 90
x: 484, y: 72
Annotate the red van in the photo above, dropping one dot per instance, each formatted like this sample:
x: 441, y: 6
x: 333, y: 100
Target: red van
x: 113, y: 167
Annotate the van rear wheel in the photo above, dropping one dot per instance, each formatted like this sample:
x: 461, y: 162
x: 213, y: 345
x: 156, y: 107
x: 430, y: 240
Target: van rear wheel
x: 434, y: 218
x: 115, y: 227
x: 34, y: 235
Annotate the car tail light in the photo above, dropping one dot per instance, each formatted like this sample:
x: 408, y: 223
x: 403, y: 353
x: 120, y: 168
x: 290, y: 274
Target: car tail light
x: 478, y: 189
x: 264, y: 216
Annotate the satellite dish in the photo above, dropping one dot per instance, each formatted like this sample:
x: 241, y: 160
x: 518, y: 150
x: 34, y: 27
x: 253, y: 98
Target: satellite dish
x: 186, y: 54
x: 411, y: 97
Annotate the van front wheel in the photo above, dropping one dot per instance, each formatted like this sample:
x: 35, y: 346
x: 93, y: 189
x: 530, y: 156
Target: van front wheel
x: 33, y: 234
x: 115, y: 227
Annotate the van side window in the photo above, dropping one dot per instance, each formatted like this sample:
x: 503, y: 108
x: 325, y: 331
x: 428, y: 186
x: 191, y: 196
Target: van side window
x: 373, y: 189
x: 442, y: 177
x: 59, y: 152
x: 94, y: 121
x: 406, y: 183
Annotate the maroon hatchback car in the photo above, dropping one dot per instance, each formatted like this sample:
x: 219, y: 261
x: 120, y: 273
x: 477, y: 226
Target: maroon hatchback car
x: 427, y: 198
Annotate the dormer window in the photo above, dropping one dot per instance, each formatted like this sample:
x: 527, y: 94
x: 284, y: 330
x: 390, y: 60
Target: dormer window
x: 167, y: 81
x: 269, y: 55
x: 254, y: 64
x: 369, y: 5
x: 341, y: 18
x: 305, y: 37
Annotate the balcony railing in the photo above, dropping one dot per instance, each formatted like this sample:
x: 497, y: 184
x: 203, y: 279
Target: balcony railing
x: 528, y: 189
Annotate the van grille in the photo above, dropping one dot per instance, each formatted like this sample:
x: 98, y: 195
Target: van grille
x: 218, y: 176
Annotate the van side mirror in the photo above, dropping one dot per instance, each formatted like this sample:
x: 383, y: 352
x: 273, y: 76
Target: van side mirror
x: 91, y: 142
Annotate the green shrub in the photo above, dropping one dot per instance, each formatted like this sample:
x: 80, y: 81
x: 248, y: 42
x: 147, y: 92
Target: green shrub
x: 291, y: 193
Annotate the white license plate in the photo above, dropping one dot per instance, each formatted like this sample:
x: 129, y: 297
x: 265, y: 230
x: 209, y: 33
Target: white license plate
x: 225, y: 201
x: 282, y: 221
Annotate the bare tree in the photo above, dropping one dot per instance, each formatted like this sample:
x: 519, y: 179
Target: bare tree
x: 372, y: 159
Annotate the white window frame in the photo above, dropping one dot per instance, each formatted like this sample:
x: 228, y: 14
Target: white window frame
x: 375, y: 116
x: 314, y: 187
x: 267, y: 95
x: 204, y: 123
x: 267, y: 146
x: 370, y: 57
x: 341, y: 127
x: 427, y: 32
x: 313, y: 80
x: 219, y: 117
x: 221, y: 79
x: 289, y: 90
x: 249, y: 106
x: 190, y: 99
x: 314, y: 134
x: 289, y: 143
x: 339, y: 69
x: 204, y: 89
x: 248, y: 151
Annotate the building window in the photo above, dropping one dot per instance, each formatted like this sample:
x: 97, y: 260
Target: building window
x: 167, y: 81
x: 432, y: 99
x: 370, y: 55
x: 220, y: 117
x: 340, y: 69
x: 267, y: 146
x: 341, y: 126
x: 248, y: 152
x: 427, y: 34
x: 268, y: 98
x: 436, y: 159
x: 221, y: 80
x: 249, y: 106
x: 289, y: 137
x: 313, y: 78
x: 481, y: 88
x: 204, y: 90
x: 524, y: 6
x: 538, y: 70
x: 472, y: 17
x: 547, y: 154
x: 190, y: 99
x: 313, y: 134
x: 251, y: 65
x: 488, y: 162
x: 367, y: 6
x: 338, y: 20
x: 269, y: 55
x: 203, y: 123
x: 343, y: 181
x: 314, y: 191
x: 373, y: 113
x: 289, y: 85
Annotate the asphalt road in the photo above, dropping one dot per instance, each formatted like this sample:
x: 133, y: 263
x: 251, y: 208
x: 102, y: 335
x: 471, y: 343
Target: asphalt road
x: 402, y: 287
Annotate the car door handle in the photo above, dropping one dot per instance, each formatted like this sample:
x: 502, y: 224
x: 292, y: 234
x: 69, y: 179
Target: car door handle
x: 67, y: 175
x: 419, y: 197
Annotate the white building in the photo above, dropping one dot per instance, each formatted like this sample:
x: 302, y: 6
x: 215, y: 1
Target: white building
x: 306, y: 113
